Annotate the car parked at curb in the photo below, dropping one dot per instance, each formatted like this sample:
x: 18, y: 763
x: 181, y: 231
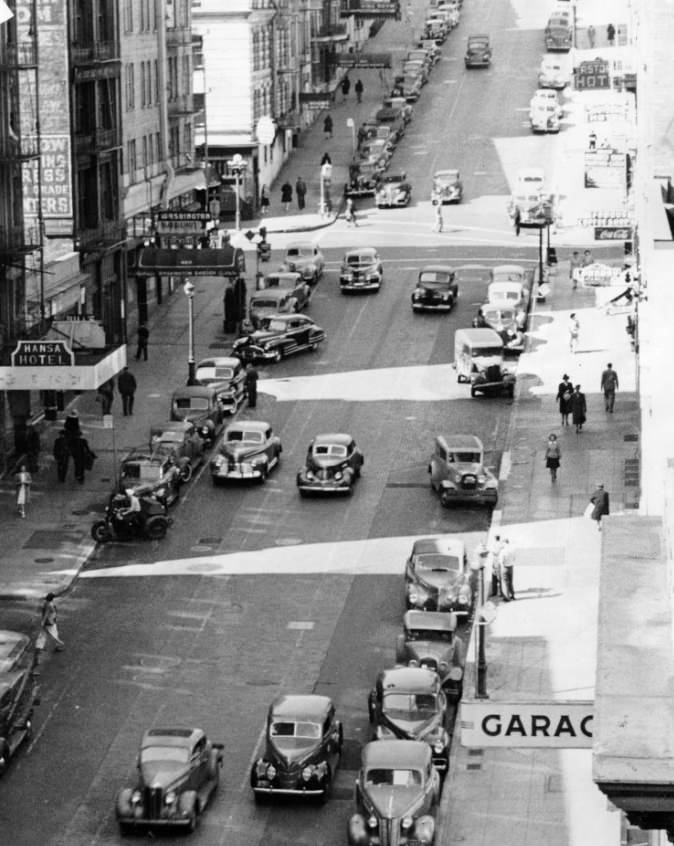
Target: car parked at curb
x: 472, y: 274
x: 363, y: 178
x: 279, y: 336
x: 436, y: 289
x: 16, y: 651
x: 178, y: 774
x: 505, y: 319
x: 19, y: 695
x: 458, y: 472
x: 429, y: 640
x: 393, y: 191
x: 437, y: 576
x: 333, y: 465
x: 248, y: 451
x: 179, y: 439
x: 397, y: 795
x: 156, y: 472
x: 305, y: 258
x: 303, y: 747
x: 227, y: 375
x: 201, y: 405
x: 293, y: 284
x: 361, y: 270
x: 553, y: 73
x: 398, y: 102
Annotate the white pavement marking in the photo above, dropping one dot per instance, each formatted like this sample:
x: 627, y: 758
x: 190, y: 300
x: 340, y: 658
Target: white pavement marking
x: 376, y: 556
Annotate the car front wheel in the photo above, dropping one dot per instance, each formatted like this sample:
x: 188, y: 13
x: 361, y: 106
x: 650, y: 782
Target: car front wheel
x: 186, y: 472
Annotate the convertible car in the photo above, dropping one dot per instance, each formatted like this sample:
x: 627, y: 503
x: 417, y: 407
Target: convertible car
x: 303, y: 747
x: 429, y: 639
x: 279, y: 335
x: 397, y: 795
x: 249, y: 450
x: 178, y: 774
x: 333, y: 465
x: 437, y: 577
x: 393, y: 191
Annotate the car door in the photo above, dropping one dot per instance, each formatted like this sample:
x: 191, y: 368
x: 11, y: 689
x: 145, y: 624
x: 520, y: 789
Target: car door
x: 198, y: 763
x: 299, y: 331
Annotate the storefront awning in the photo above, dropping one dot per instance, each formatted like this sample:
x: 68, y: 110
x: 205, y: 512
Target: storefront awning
x: 182, y: 183
x: 228, y: 261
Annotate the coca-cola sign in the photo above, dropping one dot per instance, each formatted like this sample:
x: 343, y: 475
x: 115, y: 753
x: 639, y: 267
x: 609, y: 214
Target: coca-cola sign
x: 612, y: 233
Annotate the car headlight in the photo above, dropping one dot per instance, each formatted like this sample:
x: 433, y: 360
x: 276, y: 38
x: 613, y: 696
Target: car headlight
x: 271, y: 772
x: 204, y: 430
x: 464, y: 595
x: 160, y: 492
x: 136, y: 797
x: 407, y: 823
x: 307, y: 773
x: 372, y: 822
x: 170, y: 798
x: 438, y: 747
x: 310, y: 474
x: 339, y: 475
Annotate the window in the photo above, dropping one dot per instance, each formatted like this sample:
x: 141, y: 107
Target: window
x: 128, y: 15
x: 131, y: 160
x: 142, y: 84
x: 146, y: 157
x: 130, y: 82
x: 187, y: 137
x: 186, y: 75
x: 156, y: 81
x: 158, y: 146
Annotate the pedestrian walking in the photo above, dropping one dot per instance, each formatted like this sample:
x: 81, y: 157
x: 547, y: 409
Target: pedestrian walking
x: 507, y: 566
x: 126, y: 385
x: 553, y: 456
x: 143, y: 337
x: 264, y: 200
x: 106, y: 395
x: 610, y: 34
x: 31, y: 442
x: 574, y: 332
x: 359, y: 88
x: 72, y: 425
x: 439, y: 222
x: 600, y: 504
x: 301, y: 191
x: 286, y: 195
x: 345, y: 85
x: 48, y: 627
x: 588, y: 258
x: 61, y: 452
x: 591, y: 34
x: 564, y: 394
x: 578, y: 408
x: 251, y: 385
x: 83, y: 457
x: 326, y: 160
x: 23, y: 481
x: 575, y: 266
x: 327, y: 126
x: 609, y: 385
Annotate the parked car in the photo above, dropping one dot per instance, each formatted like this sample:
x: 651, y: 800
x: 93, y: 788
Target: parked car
x: 558, y: 34
x: 19, y: 694
x: 435, y: 30
x: 267, y: 303
x: 377, y: 151
x: 431, y: 48
x: 248, y: 451
x: 201, y: 405
x: 333, y: 465
x: 408, y: 87
x: 293, y: 284
x: 361, y: 270
x: 508, y: 321
x: 512, y: 293
x: 531, y: 209
x: 458, y: 472
x: 471, y: 275
x: 16, y: 652
x: 416, y: 66
x: 408, y: 703
x: 429, y: 640
x: 530, y: 180
x: 156, y: 472
x: 227, y: 375
x: 397, y: 795
x: 406, y: 109
x: 420, y: 54
x: 393, y: 191
x: 393, y: 117
x: 436, y: 289
x: 544, y: 117
x: 306, y: 259
x: 180, y: 440
x: 278, y: 336
x: 303, y: 746
x: 447, y: 186
x: 553, y: 73
x: 512, y: 273
x: 437, y: 577
x: 363, y: 178
x: 478, y: 52
x: 178, y: 774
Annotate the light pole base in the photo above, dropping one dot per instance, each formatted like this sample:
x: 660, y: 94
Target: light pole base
x: 191, y: 374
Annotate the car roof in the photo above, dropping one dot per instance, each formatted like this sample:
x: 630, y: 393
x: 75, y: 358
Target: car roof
x: 438, y: 621
x: 301, y: 707
x: 478, y: 38
x: 248, y: 426
x: 506, y: 285
x: 410, y: 679
x: 10, y: 679
x: 394, y: 177
x: 508, y: 268
x: 179, y: 426
x: 270, y: 293
x: 165, y: 736
x: 284, y: 274
x: 396, y: 753
x: 464, y: 442
x: 334, y: 438
x: 448, y: 173
x: 143, y: 454
x: 444, y: 545
x: 219, y: 361
x: 370, y: 252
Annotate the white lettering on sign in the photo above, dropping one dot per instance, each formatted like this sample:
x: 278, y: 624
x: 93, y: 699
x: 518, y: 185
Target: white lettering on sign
x: 42, y: 354
x: 557, y: 725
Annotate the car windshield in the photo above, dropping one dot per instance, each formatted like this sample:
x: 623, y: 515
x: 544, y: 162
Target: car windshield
x: 358, y: 260
x: 302, y: 252
x: 192, y: 403
x: 429, y: 634
x: 299, y: 729
x: 262, y: 303
x: 480, y: 352
x: 464, y: 457
x: 447, y: 178
x: 169, y: 438
x: 395, y: 778
x: 496, y: 314
x: 410, y: 706
x: 393, y: 180
x: 175, y: 754
x: 508, y: 275
x: 333, y: 450
x: 272, y: 325
x: 437, y: 562
x: 248, y: 436
x: 435, y: 278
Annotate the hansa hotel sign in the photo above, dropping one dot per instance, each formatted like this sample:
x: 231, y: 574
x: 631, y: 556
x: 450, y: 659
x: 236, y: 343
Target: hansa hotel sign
x: 42, y: 354
x: 545, y: 725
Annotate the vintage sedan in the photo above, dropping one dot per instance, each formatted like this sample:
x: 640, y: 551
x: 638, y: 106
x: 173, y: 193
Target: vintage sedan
x: 458, y: 472
x: 156, y: 472
x: 227, y: 375
x: 408, y: 703
x: 554, y: 73
x: 361, y: 270
x: 429, y: 640
x: 447, y: 187
x: 179, y: 439
x: 178, y: 774
x: 397, y: 795
x: 437, y: 577
x: 478, y: 52
x: 19, y: 695
x: 376, y: 151
x: 302, y: 751
x: 248, y: 451
x: 305, y: 258
x: 279, y: 335
x: 333, y: 465
x: 406, y: 109
x: 472, y: 274
x: 436, y: 289
x: 293, y: 284
x: 202, y: 405
x: 265, y: 304
x: 394, y: 118
x: 544, y: 117
x: 393, y: 191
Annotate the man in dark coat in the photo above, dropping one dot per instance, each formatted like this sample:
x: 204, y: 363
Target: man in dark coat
x: 83, y: 457
x: 126, y: 385
x: 345, y: 86
x: 32, y: 448
x: 286, y: 195
x: 143, y: 337
x: 359, y: 90
x: 251, y: 385
x: 71, y: 427
x: 61, y: 455
x: 106, y: 392
x: 578, y: 408
x: 301, y: 191
x: 600, y: 501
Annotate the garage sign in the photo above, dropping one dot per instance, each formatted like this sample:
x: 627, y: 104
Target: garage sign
x: 545, y: 725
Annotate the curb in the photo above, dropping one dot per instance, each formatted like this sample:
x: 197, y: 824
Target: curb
x: 315, y: 227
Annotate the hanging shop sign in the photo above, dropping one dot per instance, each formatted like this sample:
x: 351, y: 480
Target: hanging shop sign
x: 228, y: 261
x: 316, y: 99
x: 42, y: 354
x: 545, y: 725
x: 592, y: 75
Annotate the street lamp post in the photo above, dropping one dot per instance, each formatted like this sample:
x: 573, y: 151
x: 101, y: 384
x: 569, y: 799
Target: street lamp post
x: 481, y: 674
x: 237, y: 165
x: 188, y: 288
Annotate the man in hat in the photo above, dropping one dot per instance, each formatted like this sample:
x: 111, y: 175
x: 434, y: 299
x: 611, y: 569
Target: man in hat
x: 61, y: 455
x: 126, y: 385
x: 599, y: 500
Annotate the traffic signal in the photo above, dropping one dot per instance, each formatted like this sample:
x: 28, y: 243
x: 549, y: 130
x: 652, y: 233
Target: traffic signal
x: 264, y: 251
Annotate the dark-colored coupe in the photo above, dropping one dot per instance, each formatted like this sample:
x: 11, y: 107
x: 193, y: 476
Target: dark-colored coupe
x: 361, y: 270
x: 437, y: 576
x: 248, y: 451
x: 279, y: 335
x: 201, y: 404
x: 178, y: 773
x: 436, y: 289
x: 408, y: 703
x: 429, y: 639
x: 302, y: 750
x: 397, y: 794
x: 332, y: 466
x: 478, y: 52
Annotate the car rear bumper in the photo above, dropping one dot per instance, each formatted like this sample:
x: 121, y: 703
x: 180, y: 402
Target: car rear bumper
x: 148, y: 822
x: 468, y: 495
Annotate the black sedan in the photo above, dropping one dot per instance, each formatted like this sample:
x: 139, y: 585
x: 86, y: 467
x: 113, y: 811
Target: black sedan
x: 436, y: 289
x: 361, y: 270
x: 333, y: 465
x: 279, y: 335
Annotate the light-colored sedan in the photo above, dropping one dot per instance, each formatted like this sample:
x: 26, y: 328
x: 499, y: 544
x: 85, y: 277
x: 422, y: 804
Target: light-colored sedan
x: 305, y: 258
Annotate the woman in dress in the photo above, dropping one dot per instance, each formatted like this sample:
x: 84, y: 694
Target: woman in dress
x: 564, y: 393
x: 23, y: 483
x: 578, y: 408
x: 553, y: 455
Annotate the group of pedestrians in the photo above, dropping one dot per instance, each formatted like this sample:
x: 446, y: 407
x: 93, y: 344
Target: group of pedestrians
x: 126, y: 386
x: 71, y: 443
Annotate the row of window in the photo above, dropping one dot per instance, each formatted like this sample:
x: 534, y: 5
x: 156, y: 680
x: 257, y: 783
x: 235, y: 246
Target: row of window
x: 147, y: 151
x: 176, y: 84
x: 144, y: 14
